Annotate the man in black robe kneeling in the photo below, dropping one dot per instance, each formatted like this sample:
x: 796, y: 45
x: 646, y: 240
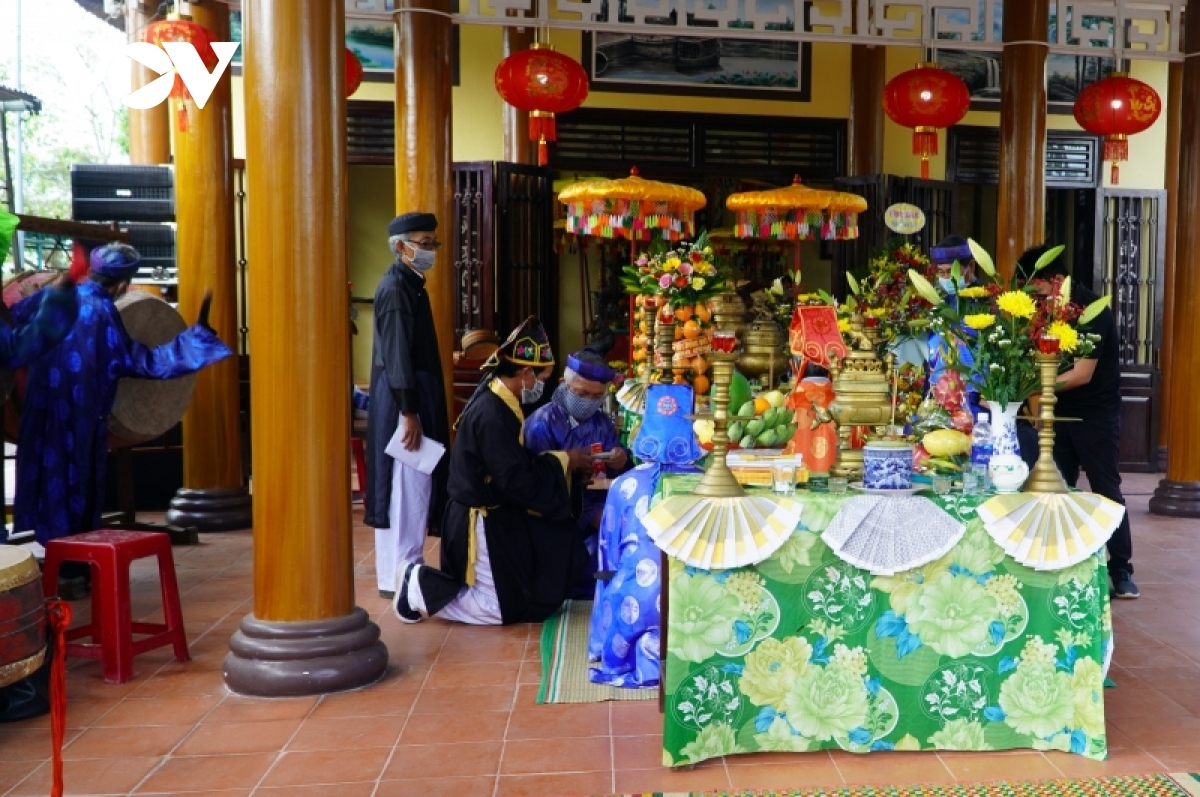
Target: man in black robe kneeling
x: 511, y: 551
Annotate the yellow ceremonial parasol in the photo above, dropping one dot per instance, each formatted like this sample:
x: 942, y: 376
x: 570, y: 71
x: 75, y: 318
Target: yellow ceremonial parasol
x: 797, y: 213
x: 632, y: 208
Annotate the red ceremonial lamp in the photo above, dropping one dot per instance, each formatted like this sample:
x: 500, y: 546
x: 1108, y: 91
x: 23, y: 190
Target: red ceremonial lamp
x: 925, y: 99
x: 542, y: 83
x: 182, y: 30
x: 1116, y: 108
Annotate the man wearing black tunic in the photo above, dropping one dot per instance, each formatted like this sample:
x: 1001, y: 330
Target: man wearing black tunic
x: 511, y: 551
x: 407, y: 397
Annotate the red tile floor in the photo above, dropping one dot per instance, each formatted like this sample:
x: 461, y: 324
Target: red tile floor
x: 455, y: 714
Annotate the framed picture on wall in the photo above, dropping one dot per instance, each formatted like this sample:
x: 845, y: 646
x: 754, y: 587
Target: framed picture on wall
x: 692, y: 65
x: 373, y: 40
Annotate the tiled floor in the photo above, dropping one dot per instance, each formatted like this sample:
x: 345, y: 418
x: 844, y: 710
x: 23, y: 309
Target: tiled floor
x: 455, y: 714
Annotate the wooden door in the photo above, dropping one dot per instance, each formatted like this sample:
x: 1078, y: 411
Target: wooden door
x: 1130, y: 245
x: 526, y: 269
x: 936, y: 198
x: 473, y: 237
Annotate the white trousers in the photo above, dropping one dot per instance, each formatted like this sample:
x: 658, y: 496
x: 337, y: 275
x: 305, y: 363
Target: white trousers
x: 408, y: 516
x: 475, y: 605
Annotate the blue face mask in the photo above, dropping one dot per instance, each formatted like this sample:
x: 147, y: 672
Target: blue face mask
x: 948, y: 285
x: 577, y: 407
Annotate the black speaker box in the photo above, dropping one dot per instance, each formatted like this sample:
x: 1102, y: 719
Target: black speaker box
x: 156, y: 244
x: 116, y: 192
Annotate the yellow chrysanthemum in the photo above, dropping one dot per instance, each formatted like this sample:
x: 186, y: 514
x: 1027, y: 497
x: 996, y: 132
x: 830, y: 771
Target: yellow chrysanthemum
x: 672, y: 264
x: 1068, y: 338
x: 843, y: 325
x: 698, y: 283
x: 979, y: 320
x: 974, y: 292
x: 1017, y: 304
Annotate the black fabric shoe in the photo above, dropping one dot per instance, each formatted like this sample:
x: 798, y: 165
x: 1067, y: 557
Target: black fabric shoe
x: 400, y: 604
x: 386, y: 594
x: 1123, y: 586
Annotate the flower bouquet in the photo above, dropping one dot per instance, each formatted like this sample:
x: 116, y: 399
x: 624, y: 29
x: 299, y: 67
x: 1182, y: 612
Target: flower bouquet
x: 886, y: 299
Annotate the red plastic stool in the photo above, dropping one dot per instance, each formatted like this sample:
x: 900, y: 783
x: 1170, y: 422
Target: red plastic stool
x: 110, y: 553
x: 360, y: 463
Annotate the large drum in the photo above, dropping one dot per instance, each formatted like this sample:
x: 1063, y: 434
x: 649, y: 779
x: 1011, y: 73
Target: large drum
x: 144, y: 408
x: 22, y: 615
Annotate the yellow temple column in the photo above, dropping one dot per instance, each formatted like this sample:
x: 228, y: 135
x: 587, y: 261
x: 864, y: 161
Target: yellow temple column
x: 212, y: 498
x: 424, y: 177
x: 1021, y: 219
x: 517, y: 147
x: 1178, y: 495
x: 149, y: 136
x: 868, y: 75
x: 1171, y: 182
x: 305, y: 636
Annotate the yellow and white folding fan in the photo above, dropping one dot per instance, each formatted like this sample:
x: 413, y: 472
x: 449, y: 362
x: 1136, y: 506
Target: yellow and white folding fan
x: 721, y: 533
x: 632, y: 396
x: 1050, y: 531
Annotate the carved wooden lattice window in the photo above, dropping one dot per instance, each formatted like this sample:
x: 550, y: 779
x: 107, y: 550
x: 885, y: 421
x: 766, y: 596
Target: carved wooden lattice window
x: 473, y: 247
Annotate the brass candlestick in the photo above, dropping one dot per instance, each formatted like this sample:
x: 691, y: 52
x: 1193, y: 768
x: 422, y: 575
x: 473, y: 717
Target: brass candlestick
x: 649, y: 317
x: 718, y: 480
x: 1045, y: 476
x: 664, y: 346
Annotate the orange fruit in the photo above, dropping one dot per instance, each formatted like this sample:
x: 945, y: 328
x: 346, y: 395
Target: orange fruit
x: 643, y: 326
x: 700, y: 384
x: 639, y: 355
x: 699, y: 365
x: 683, y: 313
x: 691, y: 330
x: 761, y: 405
x: 704, y: 312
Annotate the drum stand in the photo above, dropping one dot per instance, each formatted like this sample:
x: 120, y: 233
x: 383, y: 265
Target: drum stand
x: 126, y: 518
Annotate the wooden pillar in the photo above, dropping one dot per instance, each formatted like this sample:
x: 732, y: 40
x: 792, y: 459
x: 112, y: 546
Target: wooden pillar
x: 149, y: 136
x: 1171, y: 181
x: 1022, y: 196
x: 424, y: 178
x: 517, y: 147
x: 868, y: 75
x: 1178, y: 495
x: 305, y: 635
x: 212, y: 498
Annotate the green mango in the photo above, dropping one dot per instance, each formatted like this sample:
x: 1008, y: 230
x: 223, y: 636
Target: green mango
x: 784, y: 418
x: 739, y: 392
x: 746, y: 410
x: 755, y: 427
x: 766, y: 439
x: 747, y: 442
x: 736, y: 430
x: 768, y: 418
x: 791, y: 428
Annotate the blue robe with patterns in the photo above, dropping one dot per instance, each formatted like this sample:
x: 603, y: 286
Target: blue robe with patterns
x: 623, y: 643
x: 63, y: 444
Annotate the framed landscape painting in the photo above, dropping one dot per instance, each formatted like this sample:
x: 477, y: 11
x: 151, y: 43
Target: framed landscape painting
x: 1066, y: 76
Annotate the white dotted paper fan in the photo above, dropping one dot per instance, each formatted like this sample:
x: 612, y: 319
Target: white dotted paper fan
x: 890, y: 534
x: 632, y: 396
x: 720, y: 533
x: 1051, y: 531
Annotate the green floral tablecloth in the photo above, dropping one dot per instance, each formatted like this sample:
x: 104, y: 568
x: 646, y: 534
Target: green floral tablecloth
x: 804, y: 652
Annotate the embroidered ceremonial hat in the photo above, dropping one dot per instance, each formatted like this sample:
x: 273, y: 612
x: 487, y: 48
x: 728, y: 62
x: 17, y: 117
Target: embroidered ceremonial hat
x: 953, y: 247
x: 412, y: 222
x: 589, y: 368
x: 527, y: 345
x: 117, y: 261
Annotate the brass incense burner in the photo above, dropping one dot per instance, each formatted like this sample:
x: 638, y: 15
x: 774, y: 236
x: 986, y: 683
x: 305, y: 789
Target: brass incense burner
x: 729, y: 313
x: 863, y: 393
x: 763, y: 353
x: 1045, y: 476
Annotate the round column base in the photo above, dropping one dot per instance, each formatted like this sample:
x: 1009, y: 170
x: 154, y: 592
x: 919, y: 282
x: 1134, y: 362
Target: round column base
x: 217, y: 509
x: 1176, y: 499
x: 309, y: 658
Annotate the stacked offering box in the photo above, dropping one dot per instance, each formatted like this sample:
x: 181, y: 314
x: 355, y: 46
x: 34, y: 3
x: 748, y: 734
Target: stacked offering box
x: 887, y: 465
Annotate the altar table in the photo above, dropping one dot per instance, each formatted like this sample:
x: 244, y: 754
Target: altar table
x: 805, y: 652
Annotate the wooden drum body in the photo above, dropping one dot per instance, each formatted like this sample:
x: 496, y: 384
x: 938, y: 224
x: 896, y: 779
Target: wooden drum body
x: 22, y: 615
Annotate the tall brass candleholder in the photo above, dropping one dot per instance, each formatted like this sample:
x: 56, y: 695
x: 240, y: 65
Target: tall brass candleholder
x: 1045, y: 476
x: 649, y: 313
x: 664, y: 347
x: 718, y: 480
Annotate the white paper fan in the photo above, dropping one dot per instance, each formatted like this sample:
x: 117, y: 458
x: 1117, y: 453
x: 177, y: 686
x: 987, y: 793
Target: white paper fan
x: 720, y: 533
x: 890, y: 534
x: 1051, y: 531
x: 632, y: 396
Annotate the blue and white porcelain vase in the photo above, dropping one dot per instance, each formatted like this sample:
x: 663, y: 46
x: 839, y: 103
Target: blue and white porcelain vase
x: 1004, y: 427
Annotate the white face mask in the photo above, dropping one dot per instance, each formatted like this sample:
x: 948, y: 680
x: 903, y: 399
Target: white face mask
x: 531, y: 395
x: 422, y: 259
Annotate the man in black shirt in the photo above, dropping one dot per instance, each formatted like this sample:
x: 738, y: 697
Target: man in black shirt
x: 1091, y: 391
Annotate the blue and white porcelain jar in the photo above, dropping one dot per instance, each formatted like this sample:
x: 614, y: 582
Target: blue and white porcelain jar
x: 887, y: 465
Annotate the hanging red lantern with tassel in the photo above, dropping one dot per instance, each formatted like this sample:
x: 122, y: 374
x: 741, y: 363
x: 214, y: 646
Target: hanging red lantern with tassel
x: 354, y: 73
x: 925, y: 99
x: 542, y: 83
x: 182, y: 30
x: 1117, y: 108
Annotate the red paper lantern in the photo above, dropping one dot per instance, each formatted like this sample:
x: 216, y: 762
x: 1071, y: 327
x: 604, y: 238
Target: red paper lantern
x: 543, y: 83
x: 182, y: 30
x: 1116, y: 108
x: 354, y: 73
x: 925, y: 99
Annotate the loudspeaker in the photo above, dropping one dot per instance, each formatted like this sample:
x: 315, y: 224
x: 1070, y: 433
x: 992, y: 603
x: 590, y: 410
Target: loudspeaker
x: 156, y: 244
x: 116, y: 192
